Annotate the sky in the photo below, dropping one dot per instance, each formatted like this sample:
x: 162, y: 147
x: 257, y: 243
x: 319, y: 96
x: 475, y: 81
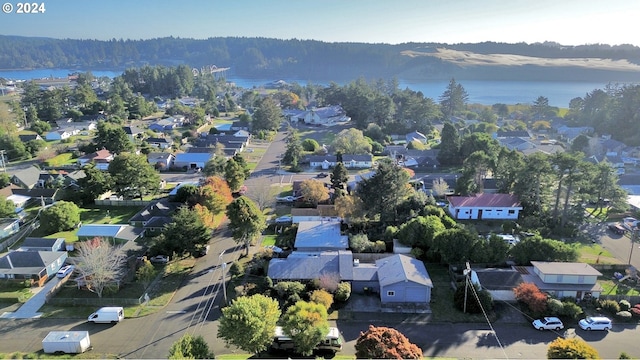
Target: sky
x: 568, y: 22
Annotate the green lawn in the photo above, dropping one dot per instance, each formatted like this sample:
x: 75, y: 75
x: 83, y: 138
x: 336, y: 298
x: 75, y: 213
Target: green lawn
x: 595, y: 254
x: 61, y: 160
x: 11, y: 293
x: 269, y: 240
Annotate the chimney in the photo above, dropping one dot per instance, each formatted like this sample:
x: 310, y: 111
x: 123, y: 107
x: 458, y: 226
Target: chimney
x: 356, y: 262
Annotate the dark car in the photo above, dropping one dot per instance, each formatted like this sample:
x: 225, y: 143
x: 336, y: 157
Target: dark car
x: 322, y: 175
x: 616, y: 229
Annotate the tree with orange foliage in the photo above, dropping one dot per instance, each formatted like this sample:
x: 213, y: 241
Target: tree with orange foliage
x: 529, y: 294
x: 215, y: 194
x: 385, y: 343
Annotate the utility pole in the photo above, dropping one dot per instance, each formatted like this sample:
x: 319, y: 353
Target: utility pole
x: 2, y: 161
x: 466, y: 273
x: 634, y: 239
x: 224, y: 276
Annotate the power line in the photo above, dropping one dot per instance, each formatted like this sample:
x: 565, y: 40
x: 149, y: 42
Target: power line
x: 486, y: 317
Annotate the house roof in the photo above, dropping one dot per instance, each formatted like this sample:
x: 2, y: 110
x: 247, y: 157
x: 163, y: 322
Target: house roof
x: 365, y: 272
x: 193, y: 157
x: 29, y: 137
x: 158, y: 208
x: 485, y: 200
x: 565, y: 268
x: 498, y: 278
x: 158, y: 156
x: 131, y: 130
x: 36, y: 193
x: 319, y: 234
x: 364, y: 157
x: 28, y: 176
x: 98, y: 155
x: 158, y: 141
x: 100, y: 230
x: 320, y: 210
x: 40, y: 242
x: 401, y: 268
x: 312, y: 265
x: 28, y: 262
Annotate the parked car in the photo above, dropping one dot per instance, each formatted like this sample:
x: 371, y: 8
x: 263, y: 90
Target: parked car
x: 159, y: 259
x: 284, y: 219
x: 204, y: 250
x: 322, y: 175
x: 275, y: 249
x: 548, y: 323
x: 286, y: 198
x: 616, y: 229
x: 595, y: 323
x: 65, y: 270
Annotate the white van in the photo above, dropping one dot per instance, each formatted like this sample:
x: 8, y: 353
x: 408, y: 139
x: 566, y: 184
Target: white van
x: 111, y: 314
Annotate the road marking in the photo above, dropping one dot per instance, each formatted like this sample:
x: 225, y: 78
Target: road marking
x: 176, y: 312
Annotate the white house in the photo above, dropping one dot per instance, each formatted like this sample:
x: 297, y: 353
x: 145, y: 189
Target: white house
x: 328, y: 115
x: 484, y: 206
x: 61, y: 134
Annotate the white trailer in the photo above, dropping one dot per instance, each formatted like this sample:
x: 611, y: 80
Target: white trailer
x: 68, y: 342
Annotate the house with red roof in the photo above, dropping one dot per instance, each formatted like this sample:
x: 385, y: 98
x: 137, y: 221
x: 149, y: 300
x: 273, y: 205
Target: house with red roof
x: 484, y: 206
x: 101, y: 158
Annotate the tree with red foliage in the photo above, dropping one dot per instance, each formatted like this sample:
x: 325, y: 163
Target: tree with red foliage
x: 529, y: 294
x: 385, y: 343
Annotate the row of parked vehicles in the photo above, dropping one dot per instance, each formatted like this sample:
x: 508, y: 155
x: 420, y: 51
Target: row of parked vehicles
x: 589, y: 323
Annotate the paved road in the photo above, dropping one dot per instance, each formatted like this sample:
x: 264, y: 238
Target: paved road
x: 619, y: 245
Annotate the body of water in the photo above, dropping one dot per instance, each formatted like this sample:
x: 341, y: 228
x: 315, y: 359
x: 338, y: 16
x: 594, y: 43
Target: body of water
x: 482, y: 92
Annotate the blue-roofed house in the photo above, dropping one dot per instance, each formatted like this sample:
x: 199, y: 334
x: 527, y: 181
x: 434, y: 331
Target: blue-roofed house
x: 192, y: 160
x: 320, y: 236
x: 403, y: 279
x: 302, y: 265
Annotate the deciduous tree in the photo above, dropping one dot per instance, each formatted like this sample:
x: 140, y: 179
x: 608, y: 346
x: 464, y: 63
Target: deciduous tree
x: 574, y: 348
x: 61, y: 216
x: 529, y: 294
x: 100, y: 264
x: 249, y: 322
x: 306, y: 323
x: 385, y: 343
x: 351, y: 141
x: 313, y: 191
x: 215, y: 194
x: 7, y: 208
x: 190, y: 347
x: 246, y: 221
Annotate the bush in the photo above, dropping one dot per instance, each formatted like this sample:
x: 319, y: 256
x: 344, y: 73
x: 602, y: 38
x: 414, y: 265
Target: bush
x: 571, y: 310
x: 635, y: 311
x: 624, y: 315
x: 575, y: 348
x: 286, y: 289
x: 554, y: 306
x: 530, y: 295
x: 343, y: 292
x: 625, y: 305
x: 322, y: 297
x: 237, y: 268
x: 610, y: 306
x: 473, y: 307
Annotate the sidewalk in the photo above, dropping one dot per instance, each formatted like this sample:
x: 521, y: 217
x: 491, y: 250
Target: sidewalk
x: 29, y: 310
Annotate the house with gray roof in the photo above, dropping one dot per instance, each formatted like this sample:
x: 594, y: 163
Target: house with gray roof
x: 37, y: 266
x: 499, y: 282
x: 43, y: 244
x: 26, y: 178
x: 416, y: 136
x: 109, y: 232
x: 563, y: 279
x: 303, y: 265
x: 161, y: 160
x: 403, y: 279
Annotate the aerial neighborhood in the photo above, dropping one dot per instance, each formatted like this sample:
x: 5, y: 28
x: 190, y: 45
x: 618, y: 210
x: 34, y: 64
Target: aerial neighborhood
x: 311, y: 205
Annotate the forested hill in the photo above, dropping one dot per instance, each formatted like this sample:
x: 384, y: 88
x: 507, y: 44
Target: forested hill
x: 321, y: 61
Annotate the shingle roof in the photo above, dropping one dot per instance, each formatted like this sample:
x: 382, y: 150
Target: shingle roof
x: 318, y: 234
x: 565, y: 268
x: 400, y: 268
x: 311, y: 265
x: 39, y: 242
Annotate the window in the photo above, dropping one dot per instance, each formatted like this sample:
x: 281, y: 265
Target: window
x: 391, y: 293
x: 580, y: 279
x: 511, y: 212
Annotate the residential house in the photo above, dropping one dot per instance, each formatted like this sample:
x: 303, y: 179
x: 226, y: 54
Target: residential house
x: 26, y: 178
x: 43, y: 244
x: 403, y: 279
x: 484, y: 206
x: 516, y: 143
x: 109, y: 232
x: 611, y: 147
x: 350, y: 161
x: 43, y: 196
x: 499, y: 282
x: 228, y: 152
x: 60, y: 134
x: 162, y: 143
x: 563, y: 279
x: 29, y: 137
x: 154, y: 216
x: 320, y: 236
x: 320, y: 213
x: 304, y: 266
x: 101, y: 158
x: 505, y: 134
x: 161, y: 160
x: 192, y: 160
x: 9, y: 226
x: 327, y: 116
x: 416, y: 136
x: 167, y: 124
x: 37, y: 266
x: 570, y: 133
x: 133, y: 132
x: 630, y: 183
x: 240, y: 125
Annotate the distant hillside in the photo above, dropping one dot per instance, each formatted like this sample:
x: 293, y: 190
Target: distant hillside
x: 321, y: 61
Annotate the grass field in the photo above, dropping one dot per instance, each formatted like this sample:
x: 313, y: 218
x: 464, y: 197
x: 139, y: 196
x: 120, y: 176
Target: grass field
x: 60, y: 160
x: 595, y: 254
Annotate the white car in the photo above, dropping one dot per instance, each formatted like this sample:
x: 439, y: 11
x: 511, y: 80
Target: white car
x: 65, y: 270
x: 275, y: 249
x: 286, y: 198
x: 284, y: 219
x: 595, y: 323
x: 548, y: 323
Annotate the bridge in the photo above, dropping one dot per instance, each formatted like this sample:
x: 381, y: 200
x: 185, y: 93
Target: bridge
x: 210, y: 69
